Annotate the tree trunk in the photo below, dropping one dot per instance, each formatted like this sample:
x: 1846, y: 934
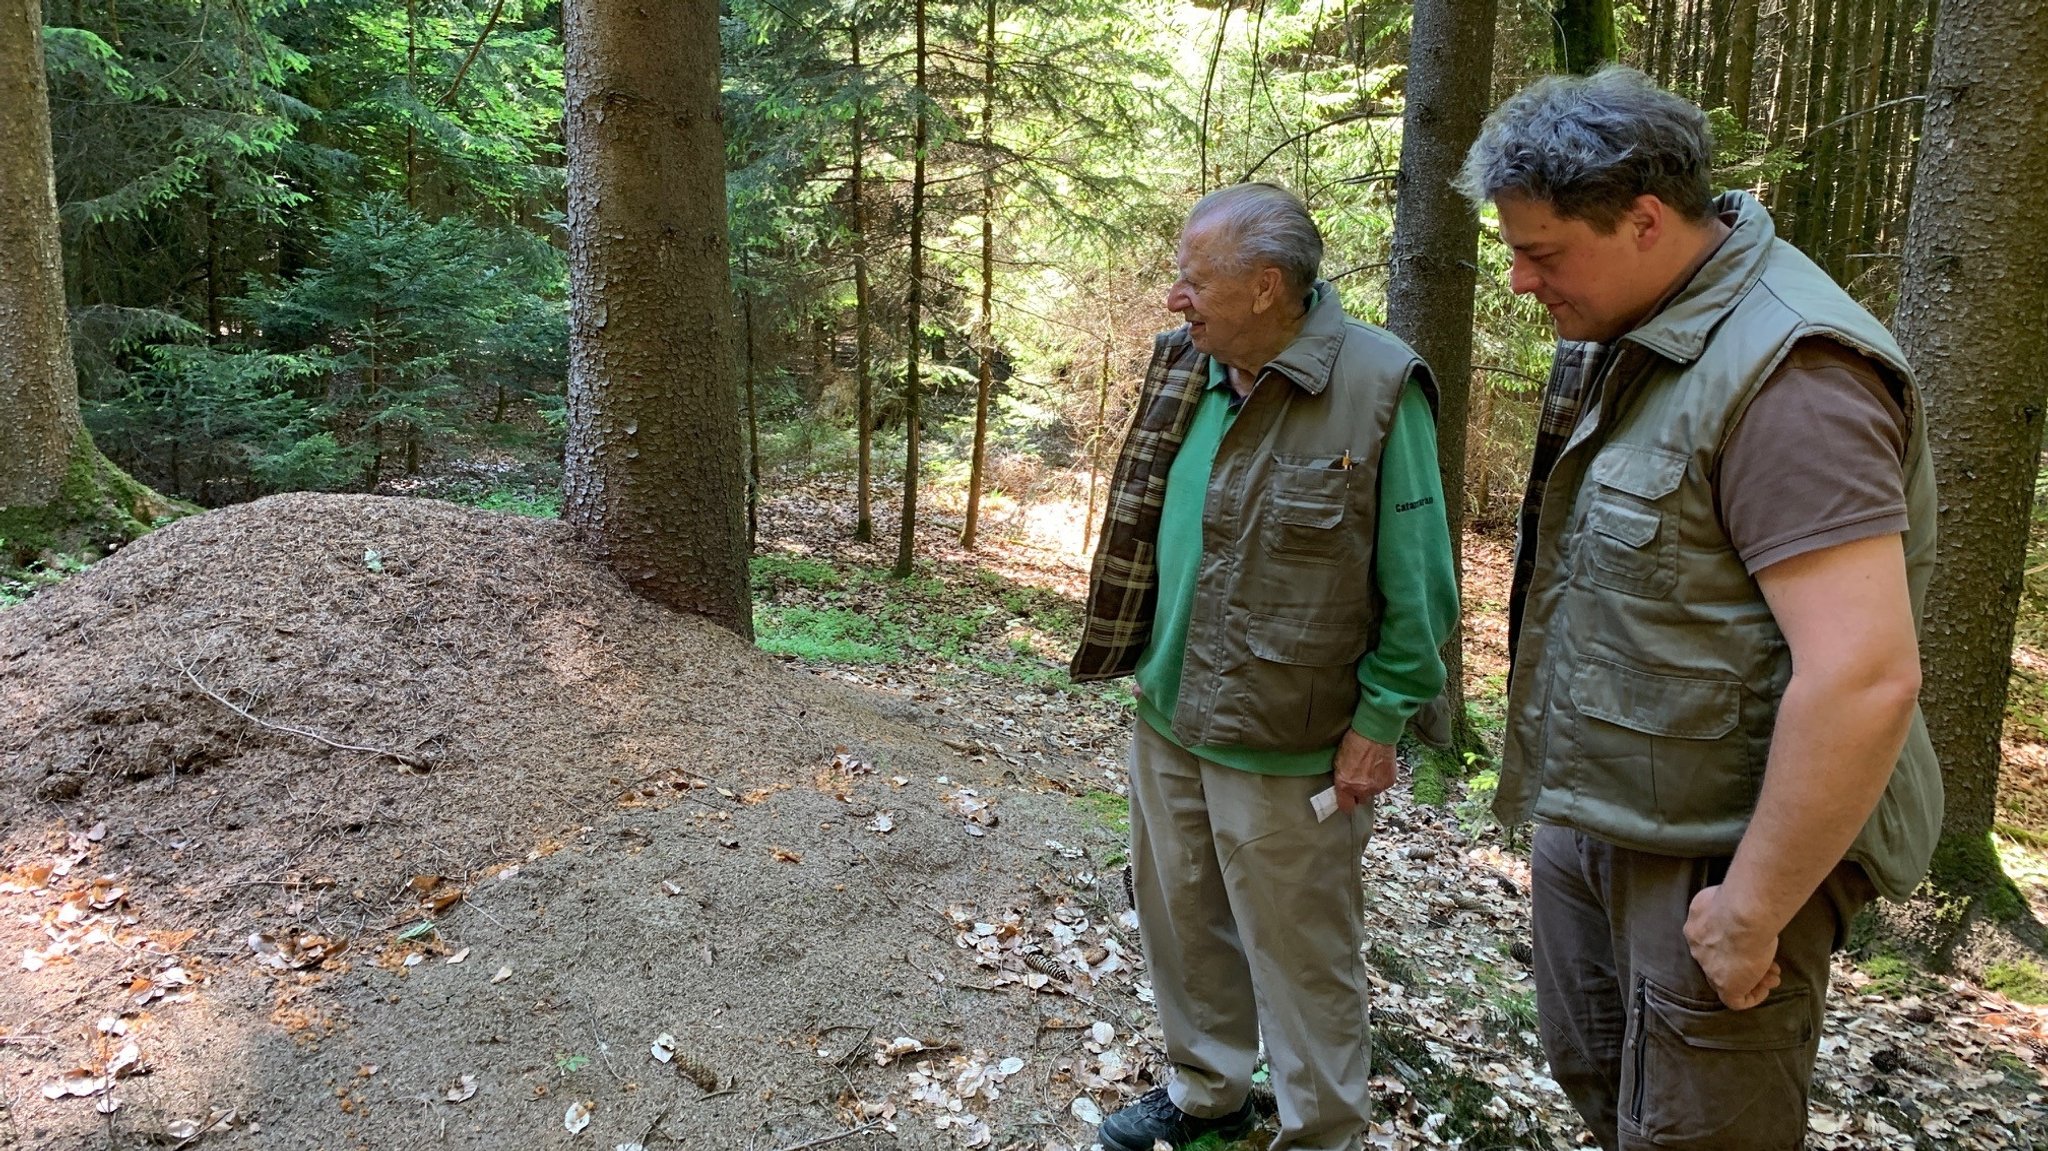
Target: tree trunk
x: 986, y: 336
x: 412, y: 87
x: 1791, y: 62
x: 38, y: 389
x: 1976, y: 288
x: 753, y: 410
x: 57, y: 493
x: 906, y: 537
x: 863, y: 386
x: 1668, y: 21
x: 653, y: 478
x: 1581, y: 33
x: 1741, y: 61
x: 1208, y: 87
x: 1715, y: 82
x: 1436, y: 245
x: 1096, y: 441
x: 1852, y: 222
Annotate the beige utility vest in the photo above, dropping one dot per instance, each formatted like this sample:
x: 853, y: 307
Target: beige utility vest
x: 1649, y: 668
x: 1285, y: 600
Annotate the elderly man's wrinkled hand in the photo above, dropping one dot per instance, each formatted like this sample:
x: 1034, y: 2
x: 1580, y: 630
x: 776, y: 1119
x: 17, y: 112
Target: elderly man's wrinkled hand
x: 1363, y: 769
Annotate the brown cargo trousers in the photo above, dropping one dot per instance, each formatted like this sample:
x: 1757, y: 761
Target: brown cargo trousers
x: 1253, y: 915
x: 1636, y: 1035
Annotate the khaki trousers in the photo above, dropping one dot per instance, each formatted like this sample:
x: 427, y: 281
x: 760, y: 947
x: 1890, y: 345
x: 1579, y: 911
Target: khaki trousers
x: 1636, y: 1035
x: 1252, y: 915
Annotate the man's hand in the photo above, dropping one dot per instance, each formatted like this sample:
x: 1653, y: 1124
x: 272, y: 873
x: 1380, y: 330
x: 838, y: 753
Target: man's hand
x: 1363, y: 770
x: 1740, y: 962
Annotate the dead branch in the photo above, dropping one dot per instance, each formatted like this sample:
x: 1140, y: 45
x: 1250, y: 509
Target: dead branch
x: 381, y: 752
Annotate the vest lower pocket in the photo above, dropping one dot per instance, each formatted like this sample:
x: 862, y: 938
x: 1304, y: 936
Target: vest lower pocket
x: 1665, y: 750
x: 1299, y: 689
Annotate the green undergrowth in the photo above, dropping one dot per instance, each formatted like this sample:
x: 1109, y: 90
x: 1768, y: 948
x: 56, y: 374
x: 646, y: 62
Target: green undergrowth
x: 809, y: 608
x: 1891, y: 976
x: 536, y: 502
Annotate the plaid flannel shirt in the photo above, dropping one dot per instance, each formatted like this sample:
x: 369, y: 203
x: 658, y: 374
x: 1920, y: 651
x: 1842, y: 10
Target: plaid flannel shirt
x: 1573, y: 370
x: 1124, y: 584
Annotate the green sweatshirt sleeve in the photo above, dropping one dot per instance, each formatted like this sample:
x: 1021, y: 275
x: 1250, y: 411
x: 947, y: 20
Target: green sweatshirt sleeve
x: 1417, y: 578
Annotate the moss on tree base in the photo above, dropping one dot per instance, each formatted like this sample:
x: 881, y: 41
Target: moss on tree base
x: 98, y: 508
x: 1965, y: 916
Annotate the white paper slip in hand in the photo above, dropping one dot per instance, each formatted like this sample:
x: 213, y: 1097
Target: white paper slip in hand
x: 1325, y: 803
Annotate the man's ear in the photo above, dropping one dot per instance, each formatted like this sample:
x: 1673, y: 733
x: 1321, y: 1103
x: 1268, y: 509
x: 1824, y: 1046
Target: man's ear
x: 1647, y: 219
x: 1267, y: 288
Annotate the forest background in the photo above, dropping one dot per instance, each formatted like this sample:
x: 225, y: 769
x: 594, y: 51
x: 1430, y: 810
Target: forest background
x: 322, y: 246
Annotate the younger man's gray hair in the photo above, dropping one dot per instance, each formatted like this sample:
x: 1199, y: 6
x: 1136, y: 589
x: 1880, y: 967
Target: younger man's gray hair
x: 1589, y: 145
x: 1264, y: 224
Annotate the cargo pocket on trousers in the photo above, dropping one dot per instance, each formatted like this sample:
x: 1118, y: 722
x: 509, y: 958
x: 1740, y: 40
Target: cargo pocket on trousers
x: 1699, y: 1075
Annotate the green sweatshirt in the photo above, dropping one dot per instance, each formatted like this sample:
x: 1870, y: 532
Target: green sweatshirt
x: 1417, y: 582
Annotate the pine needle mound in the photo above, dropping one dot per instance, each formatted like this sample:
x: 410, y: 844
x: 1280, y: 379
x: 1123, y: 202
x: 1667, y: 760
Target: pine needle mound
x: 310, y: 752
x: 463, y: 661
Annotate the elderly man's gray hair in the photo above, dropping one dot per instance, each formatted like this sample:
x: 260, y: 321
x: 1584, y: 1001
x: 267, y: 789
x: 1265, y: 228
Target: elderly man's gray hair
x: 1589, y: 145
x: 1263, y: 224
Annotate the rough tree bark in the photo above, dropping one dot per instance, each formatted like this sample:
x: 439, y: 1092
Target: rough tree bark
x: 654, y: 481
x: 1581, y: 32
x: 57, y: 493
x: 1969, y: 317
x: 1436, y: 245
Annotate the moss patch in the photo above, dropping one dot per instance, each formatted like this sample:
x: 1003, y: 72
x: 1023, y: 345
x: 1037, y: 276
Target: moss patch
x: 1890, y: 975
x: 1967, y: 867
x: 98, y: 508
x: 2022, y: 980
x: 1108, y: 808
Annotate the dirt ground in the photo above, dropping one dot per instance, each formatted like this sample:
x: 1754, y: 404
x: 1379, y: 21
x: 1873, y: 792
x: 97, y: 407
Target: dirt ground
x: 652, y: 828
x: 354, y: 822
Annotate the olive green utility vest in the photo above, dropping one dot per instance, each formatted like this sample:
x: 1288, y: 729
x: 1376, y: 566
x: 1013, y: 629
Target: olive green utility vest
x: 1648, y: 670
x: 1285, y: 600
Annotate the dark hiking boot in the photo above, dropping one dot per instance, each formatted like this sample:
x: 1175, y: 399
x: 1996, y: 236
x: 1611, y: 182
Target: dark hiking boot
x: 1152, y: 1119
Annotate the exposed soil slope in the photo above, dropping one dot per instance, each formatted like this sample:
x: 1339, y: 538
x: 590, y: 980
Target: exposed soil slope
x: 654, y: 828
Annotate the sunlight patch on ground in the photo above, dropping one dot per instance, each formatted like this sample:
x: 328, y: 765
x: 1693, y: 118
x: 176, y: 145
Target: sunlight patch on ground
x: 1059, y: 526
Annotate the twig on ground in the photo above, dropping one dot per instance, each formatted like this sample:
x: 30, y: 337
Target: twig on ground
x: 603, y: 1047
x: 381, y: 752
x: 821, y: 1140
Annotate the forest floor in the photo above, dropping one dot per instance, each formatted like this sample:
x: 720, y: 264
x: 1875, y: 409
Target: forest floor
x: 354, y: 822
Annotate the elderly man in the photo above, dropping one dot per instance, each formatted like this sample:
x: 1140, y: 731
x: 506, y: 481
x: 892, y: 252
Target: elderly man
x: 1712, y: 711
x: 1276, y: 571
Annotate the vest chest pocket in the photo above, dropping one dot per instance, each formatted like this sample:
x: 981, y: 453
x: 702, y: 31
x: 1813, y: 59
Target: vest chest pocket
x: 1630, y: 534
x: 1306, y: 505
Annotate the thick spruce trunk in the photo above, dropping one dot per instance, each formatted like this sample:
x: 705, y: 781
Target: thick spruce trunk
x: 57, y: 493
x: 1970, y: 319
x: 654, y: 477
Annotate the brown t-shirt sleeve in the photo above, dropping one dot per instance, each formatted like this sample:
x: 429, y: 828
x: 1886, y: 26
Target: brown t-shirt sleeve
x: 1817, y: 460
